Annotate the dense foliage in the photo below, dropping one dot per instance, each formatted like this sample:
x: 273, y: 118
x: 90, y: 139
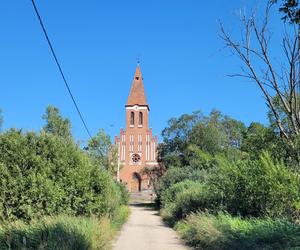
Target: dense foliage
x: 290, y: 10
x: 256, y: 188
x: 43, y: 174
x: 216, y: 164
x: 191, y: 134
x: 56, y: 124
x: 47, y: 174
x: 249, y: 188
x: 103, y: 152
x: 55, y: 195
x: 222, y: 232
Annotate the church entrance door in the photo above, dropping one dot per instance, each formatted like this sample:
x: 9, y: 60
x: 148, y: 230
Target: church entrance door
x: 136, y: 183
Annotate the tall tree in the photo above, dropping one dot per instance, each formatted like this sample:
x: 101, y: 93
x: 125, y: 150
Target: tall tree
x: 175, y: 138
x: 56, y: 124
x: 217, y: 132
x: 278, y: 84
x: 102, y: 151
x: 290, y: 9
x: 258, y: 139
x: 190, y: 136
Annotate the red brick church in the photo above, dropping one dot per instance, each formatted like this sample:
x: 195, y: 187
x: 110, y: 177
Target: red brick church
x: 137, y: 146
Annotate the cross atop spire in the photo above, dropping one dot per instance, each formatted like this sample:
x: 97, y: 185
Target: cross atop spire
x: 137, y: 92
x: 138, y: 60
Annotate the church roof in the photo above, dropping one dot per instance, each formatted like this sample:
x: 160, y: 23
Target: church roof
x: 137, y: 92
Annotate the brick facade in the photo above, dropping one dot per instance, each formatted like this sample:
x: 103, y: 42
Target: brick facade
x: 137, y: 146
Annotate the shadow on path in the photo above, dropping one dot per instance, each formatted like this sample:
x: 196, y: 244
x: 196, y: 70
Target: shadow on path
x: 147, y: 206
x: 146, y: 230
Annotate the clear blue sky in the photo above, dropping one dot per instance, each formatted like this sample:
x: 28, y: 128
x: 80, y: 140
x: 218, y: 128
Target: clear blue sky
x: 182, y: 61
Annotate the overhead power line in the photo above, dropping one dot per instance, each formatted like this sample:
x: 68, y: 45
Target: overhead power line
x: 60, y: 69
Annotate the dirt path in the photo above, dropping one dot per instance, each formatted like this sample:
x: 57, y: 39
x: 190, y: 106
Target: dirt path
x: 146, y: 231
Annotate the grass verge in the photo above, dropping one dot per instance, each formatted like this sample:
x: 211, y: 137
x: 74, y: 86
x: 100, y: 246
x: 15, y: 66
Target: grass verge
x: 62, y: 232
x: 206, y: 231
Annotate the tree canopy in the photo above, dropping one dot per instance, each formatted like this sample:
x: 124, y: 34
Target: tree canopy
x: 212, y: 134
x: 56, y: 124
x: 102, y: 151
x: 290, y: 10
x: 278, y: 83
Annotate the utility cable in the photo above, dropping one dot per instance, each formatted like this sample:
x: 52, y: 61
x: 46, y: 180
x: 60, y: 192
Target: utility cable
x: 60, y: 69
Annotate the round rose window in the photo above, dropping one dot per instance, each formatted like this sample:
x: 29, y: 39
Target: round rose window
x: 135, y: 158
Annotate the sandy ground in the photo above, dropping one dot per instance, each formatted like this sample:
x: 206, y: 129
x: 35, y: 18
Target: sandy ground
x: 145, y: 230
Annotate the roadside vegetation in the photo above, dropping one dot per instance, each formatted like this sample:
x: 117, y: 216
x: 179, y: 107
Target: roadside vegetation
x: 228, y: 186
x: 62, y: 232
x: 54, y: 194
x: 231, y: 186
x: 223, y: 231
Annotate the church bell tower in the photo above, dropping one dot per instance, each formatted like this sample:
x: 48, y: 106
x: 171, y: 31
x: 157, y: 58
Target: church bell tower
x: 136, y: 146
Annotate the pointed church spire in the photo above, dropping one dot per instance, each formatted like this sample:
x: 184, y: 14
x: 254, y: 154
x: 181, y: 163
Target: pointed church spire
x: 137, y: 92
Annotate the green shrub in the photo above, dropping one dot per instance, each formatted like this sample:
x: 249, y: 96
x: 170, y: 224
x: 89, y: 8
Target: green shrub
x: 190, y: 197
x: 248, y: 188
x: 256, y: 188
x: 170, y: 195
x: 171, y: 177
x: 43, y: 174
x: 175, y: 175
x: 206, y: 231
x: 123, y: 192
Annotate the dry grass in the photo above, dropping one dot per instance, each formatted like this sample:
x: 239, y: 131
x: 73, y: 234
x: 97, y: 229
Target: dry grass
x: 62, y: 232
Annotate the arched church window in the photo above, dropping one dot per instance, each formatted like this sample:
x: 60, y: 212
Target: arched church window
x: 140, y: 118
x: 132, y: 118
